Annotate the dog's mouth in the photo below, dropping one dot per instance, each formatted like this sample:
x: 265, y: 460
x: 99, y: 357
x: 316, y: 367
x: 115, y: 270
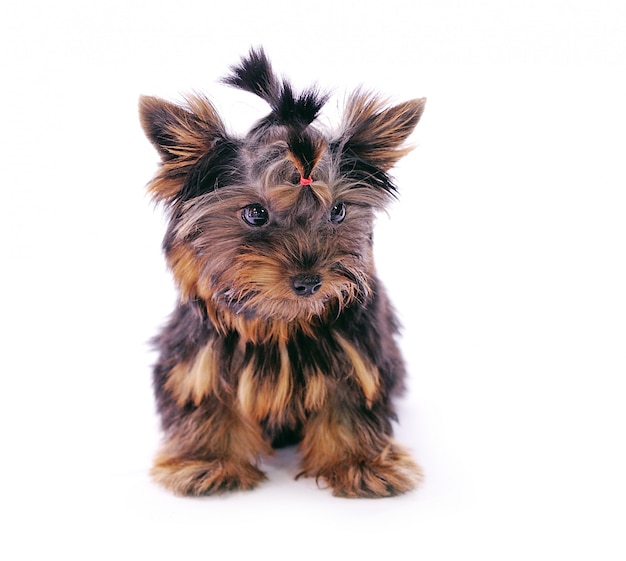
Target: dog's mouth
x: 257, y: 304
x: 308, y: 299
x: 300, y: 296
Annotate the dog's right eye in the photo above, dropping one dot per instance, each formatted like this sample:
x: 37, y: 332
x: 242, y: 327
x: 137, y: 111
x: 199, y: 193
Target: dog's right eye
x: 255, y: 215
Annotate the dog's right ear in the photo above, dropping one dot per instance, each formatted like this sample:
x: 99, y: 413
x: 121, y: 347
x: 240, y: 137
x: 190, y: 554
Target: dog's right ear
x: 182, y: 135
x: 180, y: 131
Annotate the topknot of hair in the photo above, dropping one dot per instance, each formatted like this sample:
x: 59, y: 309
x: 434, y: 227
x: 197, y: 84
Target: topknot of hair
x: 254, y: 74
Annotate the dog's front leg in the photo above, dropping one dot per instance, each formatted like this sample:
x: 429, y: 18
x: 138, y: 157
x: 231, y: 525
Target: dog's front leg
x: 348, y: 445
x: 210, y: 450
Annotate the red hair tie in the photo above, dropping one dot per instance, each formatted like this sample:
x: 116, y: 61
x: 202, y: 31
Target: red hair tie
x: 306, y: 181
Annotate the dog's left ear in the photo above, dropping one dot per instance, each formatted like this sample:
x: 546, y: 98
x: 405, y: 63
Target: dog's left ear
x: 376, y: 133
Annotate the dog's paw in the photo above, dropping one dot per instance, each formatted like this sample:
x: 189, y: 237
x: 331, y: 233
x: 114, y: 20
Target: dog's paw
x: 198, y: 477
x: 391, y: 473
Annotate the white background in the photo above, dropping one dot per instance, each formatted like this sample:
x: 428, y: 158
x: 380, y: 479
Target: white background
x: 505, y: 257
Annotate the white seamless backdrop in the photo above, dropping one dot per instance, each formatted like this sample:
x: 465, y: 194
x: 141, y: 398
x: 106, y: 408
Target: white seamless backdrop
x: 504, y: 255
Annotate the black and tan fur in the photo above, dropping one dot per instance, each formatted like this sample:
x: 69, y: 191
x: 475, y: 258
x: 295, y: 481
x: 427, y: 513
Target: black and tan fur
x: 283, y: 332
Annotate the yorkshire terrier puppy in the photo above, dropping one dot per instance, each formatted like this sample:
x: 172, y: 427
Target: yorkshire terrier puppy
x: 283, y: 333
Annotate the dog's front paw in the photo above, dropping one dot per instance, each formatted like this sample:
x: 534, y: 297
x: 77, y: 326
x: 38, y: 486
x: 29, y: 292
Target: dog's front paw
x: 199, y: 477
x: 390, y: 473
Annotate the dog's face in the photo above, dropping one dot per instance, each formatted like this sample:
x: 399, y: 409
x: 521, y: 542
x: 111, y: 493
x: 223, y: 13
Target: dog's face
x: 276, y: 225
x: 268, y: 247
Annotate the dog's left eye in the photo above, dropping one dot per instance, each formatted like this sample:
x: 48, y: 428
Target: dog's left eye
x: 255, y: 215
x: 337, y: 213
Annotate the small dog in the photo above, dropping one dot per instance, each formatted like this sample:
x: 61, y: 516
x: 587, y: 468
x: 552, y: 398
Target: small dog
x: 283, y: 333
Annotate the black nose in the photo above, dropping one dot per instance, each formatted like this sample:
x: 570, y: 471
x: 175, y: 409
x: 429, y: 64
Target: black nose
x: 306, y: 285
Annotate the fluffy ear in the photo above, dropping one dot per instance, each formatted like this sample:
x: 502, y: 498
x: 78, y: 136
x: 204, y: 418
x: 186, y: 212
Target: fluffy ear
x: 182, y: 135
x: 175, y: 130
x: 376, y: 133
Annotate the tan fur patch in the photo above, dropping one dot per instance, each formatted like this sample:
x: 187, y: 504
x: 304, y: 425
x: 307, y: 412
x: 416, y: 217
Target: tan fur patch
x: 259, y: 397
x: 366, y: 374
x: 315, y: 392
x: 194, y: 381
x: 284, y: 387
x: 246, y: 389
x: 186, y: 269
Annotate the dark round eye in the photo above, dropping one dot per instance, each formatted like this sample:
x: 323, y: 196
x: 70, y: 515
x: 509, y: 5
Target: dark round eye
x: 337, y: 213
x: 255, y: 215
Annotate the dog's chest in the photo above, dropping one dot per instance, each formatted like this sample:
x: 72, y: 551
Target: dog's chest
x: 277, y: 383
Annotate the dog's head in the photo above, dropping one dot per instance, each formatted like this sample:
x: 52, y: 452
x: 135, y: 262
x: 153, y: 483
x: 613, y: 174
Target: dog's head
x: 276, y: 225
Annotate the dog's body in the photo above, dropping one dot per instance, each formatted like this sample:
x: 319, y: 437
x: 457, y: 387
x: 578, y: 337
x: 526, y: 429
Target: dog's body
x: 283, y: 332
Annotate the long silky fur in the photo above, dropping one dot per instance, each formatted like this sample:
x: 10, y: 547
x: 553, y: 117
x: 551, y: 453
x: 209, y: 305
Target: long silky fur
x: 246, y: 362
